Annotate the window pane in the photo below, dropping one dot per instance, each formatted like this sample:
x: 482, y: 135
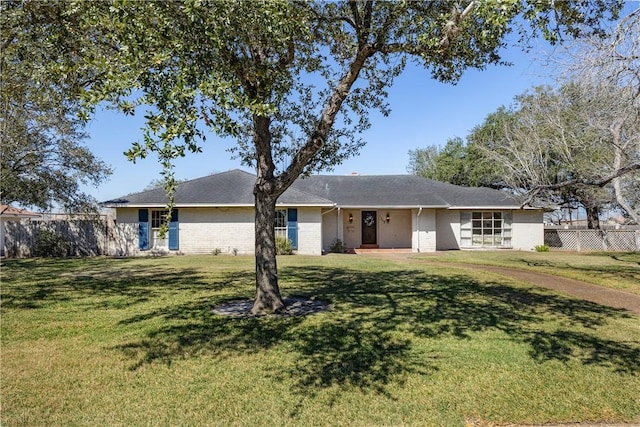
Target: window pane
x: 281, y: 219
x: 491, y: 229
x: 465, y: 219
x: 157, y: 217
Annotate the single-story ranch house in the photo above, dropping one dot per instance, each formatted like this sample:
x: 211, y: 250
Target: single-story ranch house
x: 216, y: 214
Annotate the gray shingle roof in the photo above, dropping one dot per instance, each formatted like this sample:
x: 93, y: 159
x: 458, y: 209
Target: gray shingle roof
x: 235, y: 187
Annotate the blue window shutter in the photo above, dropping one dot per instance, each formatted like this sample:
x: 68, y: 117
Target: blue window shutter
x: 292, y: 227
x: 143, y: 229
x: 173, y: 231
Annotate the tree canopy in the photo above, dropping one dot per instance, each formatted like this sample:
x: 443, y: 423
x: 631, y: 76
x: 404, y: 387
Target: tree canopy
x: 43, y: 161
x: 576, y: 144
x: 292, y: 81
x: 558, y: 146
x: 456, y: 163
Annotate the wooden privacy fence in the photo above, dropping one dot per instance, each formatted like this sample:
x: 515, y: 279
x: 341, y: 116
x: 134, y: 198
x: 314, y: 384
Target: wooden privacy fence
x: 593, y: 240
x: 79, y: 237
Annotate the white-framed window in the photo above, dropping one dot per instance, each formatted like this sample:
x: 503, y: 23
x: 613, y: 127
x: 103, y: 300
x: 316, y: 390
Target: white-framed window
x: 281, y: 223
x: 157, y: 217
x: 485, y: 229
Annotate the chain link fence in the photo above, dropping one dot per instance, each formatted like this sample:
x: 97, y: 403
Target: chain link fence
x: 593, y: 240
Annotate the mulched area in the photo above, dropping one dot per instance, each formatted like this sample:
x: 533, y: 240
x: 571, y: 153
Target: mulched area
x: 296, y: 306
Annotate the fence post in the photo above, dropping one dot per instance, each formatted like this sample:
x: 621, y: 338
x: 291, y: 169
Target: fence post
x: 578, y: 237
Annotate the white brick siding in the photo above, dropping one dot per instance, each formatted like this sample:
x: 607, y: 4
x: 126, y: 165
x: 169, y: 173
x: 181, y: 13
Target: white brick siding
x: 230, y: 230
x: 423, y: 226
x: 309, y: 231
x: 203, y: 230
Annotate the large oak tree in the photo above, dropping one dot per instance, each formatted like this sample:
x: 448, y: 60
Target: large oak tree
x: 292, y: 81
x: 43, y: 160
x: 565, y: 146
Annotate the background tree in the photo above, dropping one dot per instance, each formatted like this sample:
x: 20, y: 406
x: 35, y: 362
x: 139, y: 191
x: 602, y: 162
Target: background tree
x: 293, y: 82
x: 565, y: 146
x: 43, y: 161
x: 613, y: 60
x: 456, y: 163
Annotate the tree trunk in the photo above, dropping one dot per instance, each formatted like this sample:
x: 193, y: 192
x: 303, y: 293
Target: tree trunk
x: 593, y: 217
x: 268, y: 299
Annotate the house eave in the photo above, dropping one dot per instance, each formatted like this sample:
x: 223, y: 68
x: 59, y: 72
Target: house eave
x: 210, y: 205
x: 492, y: 207
x: 392, y: 206
x: 305, y: 205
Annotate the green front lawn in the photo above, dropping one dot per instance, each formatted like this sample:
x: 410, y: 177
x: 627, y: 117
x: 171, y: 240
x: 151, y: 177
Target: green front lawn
x: 616, y: 270
x: 134, y: 342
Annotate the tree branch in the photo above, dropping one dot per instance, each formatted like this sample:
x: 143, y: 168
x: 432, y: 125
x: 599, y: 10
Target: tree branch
x: 317, y: 139
x: 601, y: 182
x: 452, y: 27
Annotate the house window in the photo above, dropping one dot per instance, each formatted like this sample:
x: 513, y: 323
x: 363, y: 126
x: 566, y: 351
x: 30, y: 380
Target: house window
x: 485, y: 229
x: 157, y: 218
x: 281, y: 223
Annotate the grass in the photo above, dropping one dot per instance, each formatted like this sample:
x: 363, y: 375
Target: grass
x: 616, y: 270
x: 134, y: 342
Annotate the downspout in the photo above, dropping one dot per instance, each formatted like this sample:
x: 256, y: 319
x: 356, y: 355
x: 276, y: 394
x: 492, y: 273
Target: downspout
x: 418, y: 226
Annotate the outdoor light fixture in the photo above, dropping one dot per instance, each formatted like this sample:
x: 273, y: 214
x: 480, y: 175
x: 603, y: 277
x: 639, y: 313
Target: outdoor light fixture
x: 350, y: 217
x: 388, y: 217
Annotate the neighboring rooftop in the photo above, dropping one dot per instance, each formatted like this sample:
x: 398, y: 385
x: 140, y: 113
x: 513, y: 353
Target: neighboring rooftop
x: 235, y: 188
x: 7, y: 211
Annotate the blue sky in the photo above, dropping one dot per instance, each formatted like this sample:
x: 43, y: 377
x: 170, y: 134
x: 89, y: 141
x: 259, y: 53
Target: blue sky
x: 423, y: 112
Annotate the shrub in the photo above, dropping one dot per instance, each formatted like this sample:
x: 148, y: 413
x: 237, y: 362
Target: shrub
x: 337, y: 246
x: 283, y: 246
x: 51, y: 244
x: 216, y: 251
x: 542, y: 248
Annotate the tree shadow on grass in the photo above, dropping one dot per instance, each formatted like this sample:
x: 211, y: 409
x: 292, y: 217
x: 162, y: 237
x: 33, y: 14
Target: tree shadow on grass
x: 555, y: 327
x: 366, y: 340
x: 108, y: 282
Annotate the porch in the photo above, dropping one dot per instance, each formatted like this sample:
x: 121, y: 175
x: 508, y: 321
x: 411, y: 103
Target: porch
x: 379, y: 230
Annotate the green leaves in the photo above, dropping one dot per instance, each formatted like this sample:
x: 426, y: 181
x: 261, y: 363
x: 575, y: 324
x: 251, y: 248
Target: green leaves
x: 314, y: 69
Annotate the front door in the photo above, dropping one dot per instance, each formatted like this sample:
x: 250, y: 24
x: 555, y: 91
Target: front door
x: 369, y: 229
